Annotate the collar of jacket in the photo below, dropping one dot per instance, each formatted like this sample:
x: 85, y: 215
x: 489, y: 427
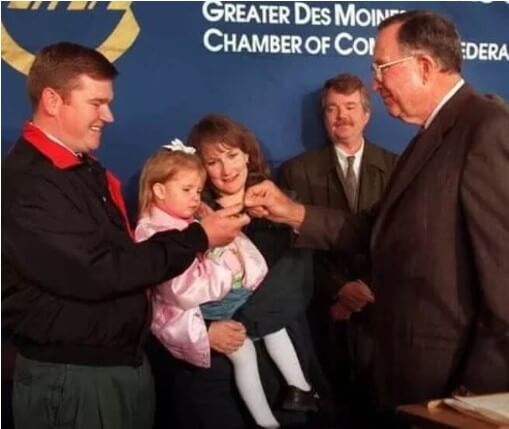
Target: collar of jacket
x: 63, y: 159
x: 60, y: 156
x: 371, y: 156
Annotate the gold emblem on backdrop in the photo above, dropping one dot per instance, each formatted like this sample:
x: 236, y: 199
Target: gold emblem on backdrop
x: 114, y: 46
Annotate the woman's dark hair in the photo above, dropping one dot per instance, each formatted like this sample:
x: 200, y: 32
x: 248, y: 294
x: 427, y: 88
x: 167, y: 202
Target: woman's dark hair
x: 215, y: 128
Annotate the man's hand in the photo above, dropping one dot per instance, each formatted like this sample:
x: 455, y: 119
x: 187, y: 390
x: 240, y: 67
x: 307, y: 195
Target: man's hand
x: 222, y: 226
x: 226, y: 336
x: 355, y: 295
x: 338, y: 311
x: 266, y: 200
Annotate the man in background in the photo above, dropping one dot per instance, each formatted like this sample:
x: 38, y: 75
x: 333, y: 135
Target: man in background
x: 350, y: 173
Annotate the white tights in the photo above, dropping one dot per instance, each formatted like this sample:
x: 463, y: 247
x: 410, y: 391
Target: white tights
x: 247, y: 376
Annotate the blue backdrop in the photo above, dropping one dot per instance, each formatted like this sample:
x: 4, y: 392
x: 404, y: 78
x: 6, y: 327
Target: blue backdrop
x: 176, y: 65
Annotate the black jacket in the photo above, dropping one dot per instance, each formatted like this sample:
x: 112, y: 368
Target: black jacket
x: 74, y: 283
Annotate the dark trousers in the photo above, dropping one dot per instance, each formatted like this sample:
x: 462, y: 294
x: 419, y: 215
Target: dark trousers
x: 51, y: 395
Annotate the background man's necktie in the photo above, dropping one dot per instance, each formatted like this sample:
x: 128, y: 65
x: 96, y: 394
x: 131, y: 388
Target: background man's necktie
x: 351, y: 183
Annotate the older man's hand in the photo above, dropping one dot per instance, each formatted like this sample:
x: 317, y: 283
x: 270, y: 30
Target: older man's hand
x: 265, y: 199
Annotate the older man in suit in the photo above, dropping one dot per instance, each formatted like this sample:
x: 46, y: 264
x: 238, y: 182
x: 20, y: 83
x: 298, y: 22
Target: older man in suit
x: 439, y: 240
x: 349, y: 173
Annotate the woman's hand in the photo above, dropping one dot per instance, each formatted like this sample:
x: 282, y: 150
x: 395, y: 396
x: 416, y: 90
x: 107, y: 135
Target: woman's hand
x: 226, y: 336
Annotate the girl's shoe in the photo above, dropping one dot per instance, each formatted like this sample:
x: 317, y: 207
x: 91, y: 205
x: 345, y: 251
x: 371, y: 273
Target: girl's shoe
x: 300, y: 400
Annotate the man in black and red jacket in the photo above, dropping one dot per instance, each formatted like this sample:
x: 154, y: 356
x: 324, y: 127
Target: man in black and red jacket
x: 74, y: 292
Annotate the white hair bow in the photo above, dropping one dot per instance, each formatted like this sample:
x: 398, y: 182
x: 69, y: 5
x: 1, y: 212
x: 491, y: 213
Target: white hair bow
x: 177, y: 145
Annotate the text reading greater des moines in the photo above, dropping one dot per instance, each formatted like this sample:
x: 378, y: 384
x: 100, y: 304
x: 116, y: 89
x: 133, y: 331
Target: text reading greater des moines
x: 338, y: 17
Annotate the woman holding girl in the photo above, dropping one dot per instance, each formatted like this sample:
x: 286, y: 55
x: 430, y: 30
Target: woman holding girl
x: 234, y: 161
x: 211, y: 290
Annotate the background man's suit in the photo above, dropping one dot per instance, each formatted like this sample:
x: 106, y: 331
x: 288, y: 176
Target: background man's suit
x: 345, y: 348
x: 439, y: 248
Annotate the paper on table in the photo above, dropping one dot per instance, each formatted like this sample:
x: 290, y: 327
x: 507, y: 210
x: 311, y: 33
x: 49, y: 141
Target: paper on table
x: 493, y: 408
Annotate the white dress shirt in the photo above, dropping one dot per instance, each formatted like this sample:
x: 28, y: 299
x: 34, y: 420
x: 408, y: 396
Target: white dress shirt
x: 446, y: 98
x: 343, y: 162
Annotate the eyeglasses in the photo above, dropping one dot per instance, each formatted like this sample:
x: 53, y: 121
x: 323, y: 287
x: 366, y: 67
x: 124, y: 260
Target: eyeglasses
x: 378, y: 68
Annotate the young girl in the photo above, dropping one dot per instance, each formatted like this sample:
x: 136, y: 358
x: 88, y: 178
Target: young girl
x: 213, y: 287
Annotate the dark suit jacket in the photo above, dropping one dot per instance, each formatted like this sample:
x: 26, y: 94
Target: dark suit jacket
x: 439, y: 245
x: 317, y: 179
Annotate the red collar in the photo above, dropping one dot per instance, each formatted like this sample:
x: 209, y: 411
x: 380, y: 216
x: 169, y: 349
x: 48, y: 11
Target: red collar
x: 63, y: 158
x: 60, y: 156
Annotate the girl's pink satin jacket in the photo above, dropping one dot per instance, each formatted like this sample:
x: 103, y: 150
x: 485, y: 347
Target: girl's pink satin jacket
x: 177, y: 320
